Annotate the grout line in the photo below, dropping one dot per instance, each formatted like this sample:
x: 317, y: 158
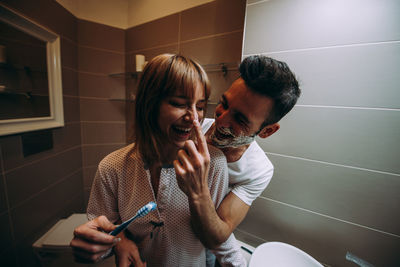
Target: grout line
x: 259, y: 2
x: 211, y: 36
x: 102, y: 144
x: 330, y: 217
x: 44, y: 158
x: 182, y: 42
x: 92, y: 73
x: 94, y: 98
x: 150, y: 48
x: 333, y: 164
x: 349, y: 107
x: 47, y: 188
x: 179, y: 32
x: 71, y: 96
x: 102, y: 49
x: 105, y: 122
x: 323, y: 48
x: 254, y: 236
x: 7, y: 200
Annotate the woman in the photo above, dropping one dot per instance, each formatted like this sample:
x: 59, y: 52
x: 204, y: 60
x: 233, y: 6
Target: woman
x: 172, y: 97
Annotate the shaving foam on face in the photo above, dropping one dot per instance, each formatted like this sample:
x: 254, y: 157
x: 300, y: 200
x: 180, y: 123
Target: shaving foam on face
x: 233, y: 141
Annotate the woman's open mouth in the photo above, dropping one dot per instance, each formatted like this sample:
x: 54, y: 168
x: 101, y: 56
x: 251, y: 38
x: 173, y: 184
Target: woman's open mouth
x: 181, y: 132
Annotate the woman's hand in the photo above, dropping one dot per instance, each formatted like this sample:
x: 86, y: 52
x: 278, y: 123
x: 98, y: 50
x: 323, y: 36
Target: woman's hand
x: 90, y: 241
x: 127, y: 253
x: 193, y: 164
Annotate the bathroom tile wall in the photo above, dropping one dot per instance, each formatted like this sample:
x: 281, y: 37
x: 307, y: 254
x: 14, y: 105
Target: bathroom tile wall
x: 337, y: 177
x: 101, y: 52
x: 37, y: 190
x: 210, y: 34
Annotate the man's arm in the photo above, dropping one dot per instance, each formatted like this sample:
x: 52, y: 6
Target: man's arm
x: 211, y: 226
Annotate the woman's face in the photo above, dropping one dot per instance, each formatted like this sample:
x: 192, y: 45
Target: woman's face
x: 177, y: 113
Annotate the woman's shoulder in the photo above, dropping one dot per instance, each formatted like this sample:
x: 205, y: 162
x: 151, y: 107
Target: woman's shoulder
x: 118, y: 157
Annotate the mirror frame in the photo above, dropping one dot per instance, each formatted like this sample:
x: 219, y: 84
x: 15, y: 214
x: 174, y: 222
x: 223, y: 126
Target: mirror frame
x: 56, y: 118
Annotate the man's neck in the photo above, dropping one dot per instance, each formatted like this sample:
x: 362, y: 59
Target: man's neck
x: 232, y: 154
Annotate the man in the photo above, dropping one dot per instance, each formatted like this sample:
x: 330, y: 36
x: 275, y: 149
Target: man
x: 265, y: 92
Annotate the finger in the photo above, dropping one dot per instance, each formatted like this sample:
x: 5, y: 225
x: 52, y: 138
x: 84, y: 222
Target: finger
x: 185, y: 160
x: 94, y: 236
x: 201, y: 140
x: 179, y: 170
x: 85, y: 257
x: 90, y: 248
x: 103, y: 223
x: 195, y: 158
x: 136, y: 259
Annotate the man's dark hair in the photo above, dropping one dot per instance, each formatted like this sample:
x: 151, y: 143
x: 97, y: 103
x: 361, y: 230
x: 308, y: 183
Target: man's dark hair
x: 274, y: 79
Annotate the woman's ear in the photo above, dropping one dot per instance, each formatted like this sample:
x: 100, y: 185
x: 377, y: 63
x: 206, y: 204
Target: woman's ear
x: 269, y: 130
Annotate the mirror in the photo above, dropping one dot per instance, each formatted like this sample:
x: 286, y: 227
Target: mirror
x: 30, y: 75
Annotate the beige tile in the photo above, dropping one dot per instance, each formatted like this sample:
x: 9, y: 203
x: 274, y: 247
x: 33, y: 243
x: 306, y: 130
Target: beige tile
x: 98, y: 133
x: 3, y: 199
x: 100, y: 61
x: 39, y: 175
x: 5, y: 234
x: 309, y: 25
x: 100, y: 36
x: 102, y: 86
x: 63, y: 138
x: 212, y: 18
x: 162, y: 31
x: 35, y: 213
x: 70, y: 82
x: 69, y: 54
x: 247, y: 238
x: 362, y: 69
x: 324, y: 238
x: 149, y: 54
x: 71, y: 109
x: 102, y: 110
x: 220, y: 83
x: 215, y: 50
x: 360, y: 196
x: 57, y: 18
x: 364, y: 138
x: 88, y: 176
x: 66, y: 137
x: 93, y: 154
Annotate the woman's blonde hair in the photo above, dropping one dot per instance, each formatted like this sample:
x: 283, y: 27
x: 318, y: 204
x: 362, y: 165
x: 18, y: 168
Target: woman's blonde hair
x: 161, y: 78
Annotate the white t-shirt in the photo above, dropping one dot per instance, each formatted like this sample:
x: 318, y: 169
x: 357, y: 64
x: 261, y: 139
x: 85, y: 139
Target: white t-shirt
x: 251, y: 174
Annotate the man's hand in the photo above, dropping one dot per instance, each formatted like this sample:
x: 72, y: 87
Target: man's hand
x: 90, y: 243
x: 127, y: 253
x: 193, y: 164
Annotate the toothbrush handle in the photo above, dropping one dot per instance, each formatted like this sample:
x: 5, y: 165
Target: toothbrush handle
x: 122, y: 226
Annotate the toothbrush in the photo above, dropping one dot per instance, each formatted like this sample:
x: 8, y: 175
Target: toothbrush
x: 140, y: 213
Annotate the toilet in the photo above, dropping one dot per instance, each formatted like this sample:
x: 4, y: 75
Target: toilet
x: 53, y: 248
x: 277, y: 254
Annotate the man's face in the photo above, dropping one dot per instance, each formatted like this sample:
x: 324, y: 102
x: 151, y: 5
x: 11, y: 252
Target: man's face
x: 239, y: 116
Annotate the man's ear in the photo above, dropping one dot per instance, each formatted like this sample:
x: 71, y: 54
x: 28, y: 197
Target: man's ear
x: 269, y: 130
